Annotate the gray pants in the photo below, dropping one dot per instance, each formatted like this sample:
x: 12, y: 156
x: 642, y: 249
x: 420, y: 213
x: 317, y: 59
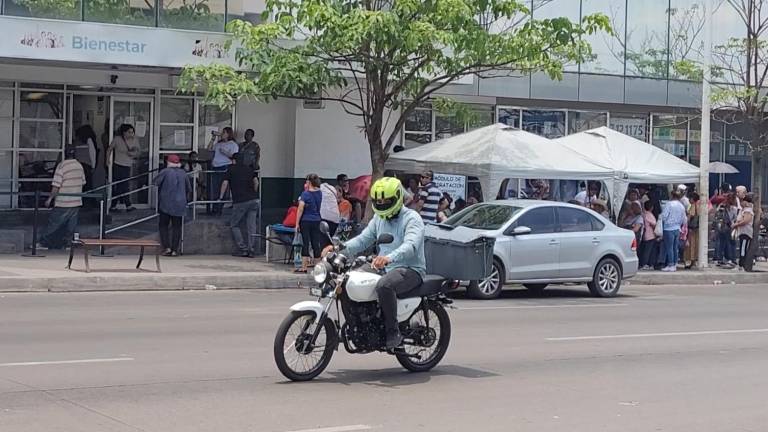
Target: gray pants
x: 62, y: 222
x: 394, y: 282
x: 248, y: 211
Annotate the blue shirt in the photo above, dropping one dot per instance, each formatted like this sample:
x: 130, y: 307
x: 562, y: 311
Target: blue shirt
x: 407, y: 251
x: 173, y: 186
x: 219, y: 158
x: 312, y: 201
x: 673, y: 216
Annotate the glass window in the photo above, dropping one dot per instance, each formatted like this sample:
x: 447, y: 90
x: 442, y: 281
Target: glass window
x: 65, y: 10
x: 671, y: 134
x: 446, y: 127
x: 177, y: 110
x: 211, y: 117
x: 596, y: 224
x: 483, y: 116
x: 245, y: 10
x: 540, y: 220
x: 412, y: 140
x: 40, y: 135
x: 549, y: 124
x: 634, y: 125
x: 6, y: 121
x: 5, y: 186
x: 647, y: 38
x: 483, y: 216
x: 551, y: 9
x: 585, y: 120
x: 509, y: 116
x: 737, y: 142
x: 177, y: 138
x: 694, y: 140
x: 140, y: 13
x: 38, y: 164
x: 203, y: 15
x: 6, y: 133
x: 607, y: 50
x: 686, y: 25
x: 6, y: 103
x: 41, y: 105
x: 573, y: 220
x: 419, y: 120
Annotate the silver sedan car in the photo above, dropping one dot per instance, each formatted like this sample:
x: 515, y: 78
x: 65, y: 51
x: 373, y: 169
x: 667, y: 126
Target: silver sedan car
x: 539, y: 243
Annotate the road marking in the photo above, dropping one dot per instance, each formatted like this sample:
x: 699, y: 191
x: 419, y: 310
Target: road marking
x: 350, y: 428
x: 644, y: 335
x: 103, y: 360
x: 543, y: 306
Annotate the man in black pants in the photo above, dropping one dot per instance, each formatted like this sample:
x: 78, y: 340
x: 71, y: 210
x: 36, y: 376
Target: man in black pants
x: 403, y: 259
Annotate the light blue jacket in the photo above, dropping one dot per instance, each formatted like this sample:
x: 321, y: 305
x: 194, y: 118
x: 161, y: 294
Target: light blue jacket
x: 408, y: 248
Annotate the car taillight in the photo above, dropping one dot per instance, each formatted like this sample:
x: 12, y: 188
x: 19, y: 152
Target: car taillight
x: 634, y: 245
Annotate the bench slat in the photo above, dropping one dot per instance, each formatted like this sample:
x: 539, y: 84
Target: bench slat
x: 119, y: 242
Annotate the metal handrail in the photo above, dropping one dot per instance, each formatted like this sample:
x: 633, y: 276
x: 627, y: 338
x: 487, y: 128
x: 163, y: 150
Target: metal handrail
x: 110, y: 184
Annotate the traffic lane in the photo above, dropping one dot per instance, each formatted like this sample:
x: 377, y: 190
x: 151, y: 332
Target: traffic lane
x: 224, y: 335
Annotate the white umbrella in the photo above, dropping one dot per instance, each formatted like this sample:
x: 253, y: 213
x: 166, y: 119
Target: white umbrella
x: 722, y: 168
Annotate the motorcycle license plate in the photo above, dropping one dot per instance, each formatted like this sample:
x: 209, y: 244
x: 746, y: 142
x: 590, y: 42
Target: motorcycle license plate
x: 316, y: 292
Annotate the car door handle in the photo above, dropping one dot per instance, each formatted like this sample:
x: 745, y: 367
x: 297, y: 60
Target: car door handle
x: 554, y: 242
x: 595, y: 241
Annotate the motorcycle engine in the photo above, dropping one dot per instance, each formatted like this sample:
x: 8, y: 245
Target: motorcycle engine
x: 363, y: 330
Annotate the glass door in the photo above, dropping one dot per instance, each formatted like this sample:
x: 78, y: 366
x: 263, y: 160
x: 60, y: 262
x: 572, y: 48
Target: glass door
x: 137, y: 112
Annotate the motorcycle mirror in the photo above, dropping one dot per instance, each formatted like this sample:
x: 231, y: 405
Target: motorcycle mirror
x: 385, y: 239
x: 324, y: 228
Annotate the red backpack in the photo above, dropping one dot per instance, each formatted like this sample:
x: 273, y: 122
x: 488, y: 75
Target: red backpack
x: 290, y: 217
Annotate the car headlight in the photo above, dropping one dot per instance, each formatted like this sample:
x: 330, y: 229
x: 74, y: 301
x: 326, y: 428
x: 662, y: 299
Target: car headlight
x: 320, y: 272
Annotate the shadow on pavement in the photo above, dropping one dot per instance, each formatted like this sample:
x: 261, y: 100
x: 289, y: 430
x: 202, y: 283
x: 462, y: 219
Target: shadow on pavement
x: 512, y: 293
x: 397, y: 377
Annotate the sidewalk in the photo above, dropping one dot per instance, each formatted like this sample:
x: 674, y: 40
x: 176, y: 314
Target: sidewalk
x: 197, y: 272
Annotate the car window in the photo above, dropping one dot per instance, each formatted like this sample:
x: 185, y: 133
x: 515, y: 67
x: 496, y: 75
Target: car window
x: 596, y: 224
x: 540, y: 220
x: 574, y: 220
x: 483, y: 216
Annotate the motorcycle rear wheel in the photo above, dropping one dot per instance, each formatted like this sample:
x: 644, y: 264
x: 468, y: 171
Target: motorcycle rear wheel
x: 292, y: 337
x: 441, y: 324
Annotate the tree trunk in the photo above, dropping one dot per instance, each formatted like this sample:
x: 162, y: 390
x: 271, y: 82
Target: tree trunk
x: 757, y: 182
x: 377, y: 169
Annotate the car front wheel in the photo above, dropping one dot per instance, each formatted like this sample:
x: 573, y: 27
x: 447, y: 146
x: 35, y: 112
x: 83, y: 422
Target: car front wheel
x: 490, y: 287
x: 606, y: 280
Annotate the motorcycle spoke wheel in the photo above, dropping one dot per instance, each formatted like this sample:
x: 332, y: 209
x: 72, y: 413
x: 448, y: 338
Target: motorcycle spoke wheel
x: 296, y: 357
x: 431, y: 347
x: 425, y: 353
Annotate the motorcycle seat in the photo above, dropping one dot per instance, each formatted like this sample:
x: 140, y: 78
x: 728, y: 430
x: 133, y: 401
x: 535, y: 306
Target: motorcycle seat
x: 431, y: 285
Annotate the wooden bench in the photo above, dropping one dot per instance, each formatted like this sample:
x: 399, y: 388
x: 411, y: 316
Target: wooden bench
x: 87, y: 244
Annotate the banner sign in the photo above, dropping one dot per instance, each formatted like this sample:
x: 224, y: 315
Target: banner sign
x: 453, y: 185
x: 75, y: 41
x: 634, y: 127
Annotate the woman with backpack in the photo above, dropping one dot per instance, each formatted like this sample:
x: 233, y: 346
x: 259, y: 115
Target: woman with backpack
x: 744, y: 229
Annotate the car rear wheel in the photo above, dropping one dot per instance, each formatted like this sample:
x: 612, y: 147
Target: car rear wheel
x: 535, y: 288
x: 490, y: 287
x: 606, y: 280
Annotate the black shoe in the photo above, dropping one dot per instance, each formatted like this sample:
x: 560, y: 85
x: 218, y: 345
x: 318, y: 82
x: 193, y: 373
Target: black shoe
x: 241, y: 254
x: 394, y: 339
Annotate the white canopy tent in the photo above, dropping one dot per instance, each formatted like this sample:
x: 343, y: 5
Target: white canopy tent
x: 631, y: 160
x: 497, y: 152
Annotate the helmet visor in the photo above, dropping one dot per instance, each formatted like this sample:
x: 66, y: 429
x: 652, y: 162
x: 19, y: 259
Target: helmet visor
x: 384, y: 204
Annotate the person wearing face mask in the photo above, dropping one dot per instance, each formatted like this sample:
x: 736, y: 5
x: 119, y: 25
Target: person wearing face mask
x: 125, y: 150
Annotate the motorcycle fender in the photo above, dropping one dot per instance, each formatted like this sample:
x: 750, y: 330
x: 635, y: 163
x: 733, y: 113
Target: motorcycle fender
x: 309, y: 305
x: 406, y: 308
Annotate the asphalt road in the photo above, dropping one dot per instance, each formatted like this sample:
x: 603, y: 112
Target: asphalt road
x: 654, y: 359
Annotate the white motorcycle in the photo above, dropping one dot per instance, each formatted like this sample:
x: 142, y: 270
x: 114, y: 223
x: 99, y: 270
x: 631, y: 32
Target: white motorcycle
x: 308, y: 336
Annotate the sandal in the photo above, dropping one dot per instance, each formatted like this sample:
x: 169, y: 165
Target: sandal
x: 299, y: 270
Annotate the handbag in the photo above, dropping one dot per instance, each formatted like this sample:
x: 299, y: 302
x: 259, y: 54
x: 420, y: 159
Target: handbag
x: 659, y: 230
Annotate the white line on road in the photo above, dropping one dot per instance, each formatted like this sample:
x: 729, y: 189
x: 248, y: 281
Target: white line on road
x: 350, y: 428
x: 643, y: 335
x: 103, y: 360
x: 543, y: 306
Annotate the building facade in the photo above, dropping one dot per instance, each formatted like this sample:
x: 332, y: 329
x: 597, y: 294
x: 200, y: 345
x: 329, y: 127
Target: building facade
x: 88, y: 62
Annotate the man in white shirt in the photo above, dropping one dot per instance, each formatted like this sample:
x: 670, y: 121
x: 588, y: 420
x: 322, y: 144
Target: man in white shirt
x: 68, y: 178
x: 586, y: 197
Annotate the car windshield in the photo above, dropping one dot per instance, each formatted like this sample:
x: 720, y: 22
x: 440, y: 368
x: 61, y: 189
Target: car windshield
x: 483, y: 216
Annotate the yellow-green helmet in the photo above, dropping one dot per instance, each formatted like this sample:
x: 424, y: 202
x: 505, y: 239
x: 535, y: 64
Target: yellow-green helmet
x: 387, y: 197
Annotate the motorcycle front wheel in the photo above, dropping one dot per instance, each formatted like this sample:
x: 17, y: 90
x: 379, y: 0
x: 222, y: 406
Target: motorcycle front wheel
x: 297, y: 357
x: 427, y: 344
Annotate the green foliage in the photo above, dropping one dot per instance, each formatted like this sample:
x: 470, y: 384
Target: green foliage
x: 376, y: 56
x: 62, y: 9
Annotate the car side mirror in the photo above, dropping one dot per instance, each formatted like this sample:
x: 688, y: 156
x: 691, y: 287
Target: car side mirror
x: 385, y: 239
x: 521, y: 230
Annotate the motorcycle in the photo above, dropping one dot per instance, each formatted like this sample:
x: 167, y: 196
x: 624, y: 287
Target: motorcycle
x: 309, y: 335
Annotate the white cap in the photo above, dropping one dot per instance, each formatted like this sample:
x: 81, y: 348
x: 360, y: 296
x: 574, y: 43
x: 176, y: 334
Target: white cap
x: 682, y: 187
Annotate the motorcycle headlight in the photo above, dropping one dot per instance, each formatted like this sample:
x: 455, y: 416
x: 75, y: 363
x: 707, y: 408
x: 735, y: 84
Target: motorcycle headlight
x: 320, y: 272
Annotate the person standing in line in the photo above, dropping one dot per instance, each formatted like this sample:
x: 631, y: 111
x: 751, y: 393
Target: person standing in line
x: 725, y: 217
x: 673, y: 217
x: 429, y: 198
x: 691, y: 253
x: 250, y: 150
x: 244, y: 184
x: 224, y: 148
x: 194, y: 168
x: 309, y: 219
x: 649, y: 243
x: 68, y: 178
x: 126, y: 150
x: 85, y: 152
x: 329, y: 210
x: 745, y: 230
x: 174, y: 187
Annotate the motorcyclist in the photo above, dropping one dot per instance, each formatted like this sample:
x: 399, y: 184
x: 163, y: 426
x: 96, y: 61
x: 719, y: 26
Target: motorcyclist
x: 403, y: 259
